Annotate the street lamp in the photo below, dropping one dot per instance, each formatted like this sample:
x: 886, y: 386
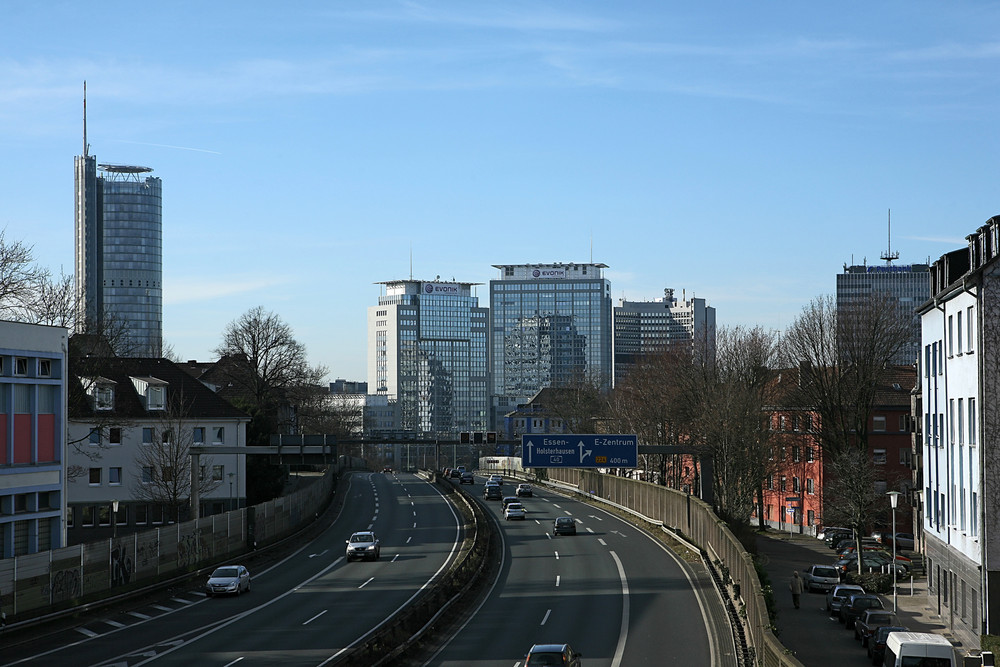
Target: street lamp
x: 231, y: 491
x: 893, y: 500
x: 114, y: 518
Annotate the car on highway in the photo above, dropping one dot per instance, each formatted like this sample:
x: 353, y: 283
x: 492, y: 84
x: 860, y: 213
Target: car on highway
x: 838, y: 596
x: 456, y: 473
x: 492, y: 492
x: 524, y: 491
x: 564, y: 525
x: 856, y: 605
x: 496, y: 478
x: 546, y: 655
x: 467, y: 478
x: 228, y: 580
x: 363, y: 544
x: 870, y: 621
x: 876, y: 644
x: 820, y: 577
x: 507, y: 500
x: 514, y: 511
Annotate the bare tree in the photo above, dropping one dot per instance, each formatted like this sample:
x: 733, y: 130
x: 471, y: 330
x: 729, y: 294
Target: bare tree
x: 20, y: 278
x: 163, y: 466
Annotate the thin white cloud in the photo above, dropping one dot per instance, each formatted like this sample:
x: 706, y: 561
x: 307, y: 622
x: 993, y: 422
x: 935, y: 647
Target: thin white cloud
x: 938, y: 239
x: 181, y: 148
x: 190, y: 290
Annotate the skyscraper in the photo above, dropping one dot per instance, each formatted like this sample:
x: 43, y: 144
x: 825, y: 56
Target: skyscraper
x: 119, y: 252
x: 427, y: 350
x: 649, y: 327
x: 909, y: 285
x: 551, y: 326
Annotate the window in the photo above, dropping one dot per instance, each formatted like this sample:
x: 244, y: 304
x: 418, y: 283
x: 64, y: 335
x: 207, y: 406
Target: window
x: 166, y: 436
x: 103, y: 515
x: 878, y: 424
x: 87, y: 516
x: 795, y: 454
x: 121, y: 516
x: 147, y: 474
x: 782, y: 423
x: 155, y: 398
x: 219, y: 435
x: 961, y: 421
x: 809, y: 454
x: 958, y: 332
x: 95, y: 476
x: 115, y: 476
x: 968, y: 329
x: 972, y: 421
x: 147, y: 436
x: 810, y: 489
x: 199, y: 435
x: 141, y: 514
x: 95, y: 436
x: 44, y: 368
x: 69, y: 517
x: 782, y: 484
x: 795, y: 485
x: 115, y: 435
x: 906, y: 457
x: 951, y: 327
x: 21, y: 366
x: 104, y: 398
x: 879, y: 457
x: 811, y: 517
x: 218, y: 472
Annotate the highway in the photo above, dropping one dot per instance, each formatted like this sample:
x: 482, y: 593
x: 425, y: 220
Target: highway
x: 305, y: 610
x: 612, y: 591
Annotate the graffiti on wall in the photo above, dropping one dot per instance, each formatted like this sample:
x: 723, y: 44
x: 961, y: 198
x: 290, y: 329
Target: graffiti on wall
x: 121, y: 565
x: 65, y: 586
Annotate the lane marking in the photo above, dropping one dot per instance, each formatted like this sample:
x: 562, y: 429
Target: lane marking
x: 546, y: 618
x: 409, y: 538
x: 86, y: 632
x: 140, y: 615
x: 114, y: 624
x: 234, y: 661
x: 160, y: 607
x: 394, y: 558
x: 367, y: 582
x: 623, y: 634
x: 557, y: 555
x: 315, y: 617
x: 590, y: 530
x: 601, y: 540
x: 557, y: 581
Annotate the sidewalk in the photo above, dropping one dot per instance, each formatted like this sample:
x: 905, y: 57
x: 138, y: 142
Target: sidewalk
x: 810, y: 633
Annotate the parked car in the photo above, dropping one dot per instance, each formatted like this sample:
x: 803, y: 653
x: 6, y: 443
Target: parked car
x: 870, y: 621
x: 564, y: 525
x: 363, y: 544
x: 228, y: 580
x: 869, y: 563
x: 876, y: 643
x: 514, y: 511
x: 856, y: 605
x: 467, y: 478
x: 552, y: 654
x: 820, y: 577
x: 524, y: 491
x: 838, y: 596
x: 903, y: 541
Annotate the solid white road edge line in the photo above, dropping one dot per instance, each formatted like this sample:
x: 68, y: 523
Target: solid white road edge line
x: 623, y: 635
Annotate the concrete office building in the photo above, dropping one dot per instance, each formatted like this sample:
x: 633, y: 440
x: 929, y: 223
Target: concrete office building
x: 119, y: 253
x: 908, y: 285
x: 551, y: 326
x: 645, y: 328
x: 427, y: 346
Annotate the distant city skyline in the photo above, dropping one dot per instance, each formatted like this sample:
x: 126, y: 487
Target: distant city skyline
x: 745, y: 153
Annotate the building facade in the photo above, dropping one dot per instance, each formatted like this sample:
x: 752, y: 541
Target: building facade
x: 132, y: 425
x: 644, y: 328
x: 33, y: 362
x: 427, y: 351
x: 550, y: 326
x: 119, y: 253
x: 907, y: 285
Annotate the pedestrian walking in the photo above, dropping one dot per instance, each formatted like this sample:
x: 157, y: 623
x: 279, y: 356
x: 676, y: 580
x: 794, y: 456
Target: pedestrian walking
x: 795, y: 586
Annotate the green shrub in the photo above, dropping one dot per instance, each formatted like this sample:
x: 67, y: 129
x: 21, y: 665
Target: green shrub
x: 872, y: 582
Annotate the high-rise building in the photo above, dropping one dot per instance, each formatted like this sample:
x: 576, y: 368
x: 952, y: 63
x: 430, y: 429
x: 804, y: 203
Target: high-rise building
x: 119, y: 253
x: 427, y: 347
x: 908, y: 285
x: 648, y: 327
x: 551, y: 326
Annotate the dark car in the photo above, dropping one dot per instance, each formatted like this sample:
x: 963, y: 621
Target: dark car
x: 876, y: 644
x: 467, y: 478
x: 492, y: 492
x: 507, y: 500
x: 456, y: 473
x: 545, y: 655
x: 564, y: 525
x: 857, y: 605
x: 870, y: 621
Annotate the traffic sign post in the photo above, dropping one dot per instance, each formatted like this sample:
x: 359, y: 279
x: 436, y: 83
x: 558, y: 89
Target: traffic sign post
x: 544, y: 450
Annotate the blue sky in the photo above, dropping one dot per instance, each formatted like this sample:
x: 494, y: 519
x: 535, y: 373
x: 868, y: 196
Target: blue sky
x: 743, y: 152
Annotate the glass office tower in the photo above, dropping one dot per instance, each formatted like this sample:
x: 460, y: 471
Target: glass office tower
x: 551, y: 327
x: 427, y: 345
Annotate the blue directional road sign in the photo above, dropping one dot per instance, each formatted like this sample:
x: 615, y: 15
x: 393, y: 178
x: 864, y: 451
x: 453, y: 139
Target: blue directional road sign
x: 541, y: 450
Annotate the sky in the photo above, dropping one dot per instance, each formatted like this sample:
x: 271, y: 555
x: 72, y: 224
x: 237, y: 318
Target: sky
x: 738, y: 152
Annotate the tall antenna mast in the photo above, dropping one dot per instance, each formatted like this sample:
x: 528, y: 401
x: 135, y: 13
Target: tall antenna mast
x: 84, y: 119
x: 889, y: 255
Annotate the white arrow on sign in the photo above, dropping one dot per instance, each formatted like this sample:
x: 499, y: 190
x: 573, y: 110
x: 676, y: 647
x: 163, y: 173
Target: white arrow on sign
x: 584, y: 453
x: 528, y: 446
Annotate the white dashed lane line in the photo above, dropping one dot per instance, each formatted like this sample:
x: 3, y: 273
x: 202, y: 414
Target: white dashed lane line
x: 557, y: 581
x: 546, y: 617
x: 315, y: 617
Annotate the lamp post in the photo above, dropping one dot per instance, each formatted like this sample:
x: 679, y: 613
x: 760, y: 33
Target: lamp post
x: 231, y: 475
x: 893, y: 500
x: 114, y: 518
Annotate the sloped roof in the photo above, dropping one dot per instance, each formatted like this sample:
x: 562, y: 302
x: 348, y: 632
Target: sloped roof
x: 200, y: 402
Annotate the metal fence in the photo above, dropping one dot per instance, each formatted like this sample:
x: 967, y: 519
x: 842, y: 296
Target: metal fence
x: 35, y: 584
x: 696, y: 521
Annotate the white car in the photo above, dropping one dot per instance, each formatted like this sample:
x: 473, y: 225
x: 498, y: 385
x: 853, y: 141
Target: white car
x: 363, y: 545
x: 228, y: 580
x: 514, y: 511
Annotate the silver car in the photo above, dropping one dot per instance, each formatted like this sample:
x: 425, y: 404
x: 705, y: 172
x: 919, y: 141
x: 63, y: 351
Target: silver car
x: 228, y: 580
x: 839, y: 594
x: 364, y: 545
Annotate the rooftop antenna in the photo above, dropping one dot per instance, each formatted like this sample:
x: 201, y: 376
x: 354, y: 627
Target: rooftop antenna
x: 411, y: 260
x: 889, y: 255
x: 85, y: 118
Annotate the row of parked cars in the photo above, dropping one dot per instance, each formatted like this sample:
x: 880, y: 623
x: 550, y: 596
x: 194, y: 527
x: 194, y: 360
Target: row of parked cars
x: 875, y: 557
